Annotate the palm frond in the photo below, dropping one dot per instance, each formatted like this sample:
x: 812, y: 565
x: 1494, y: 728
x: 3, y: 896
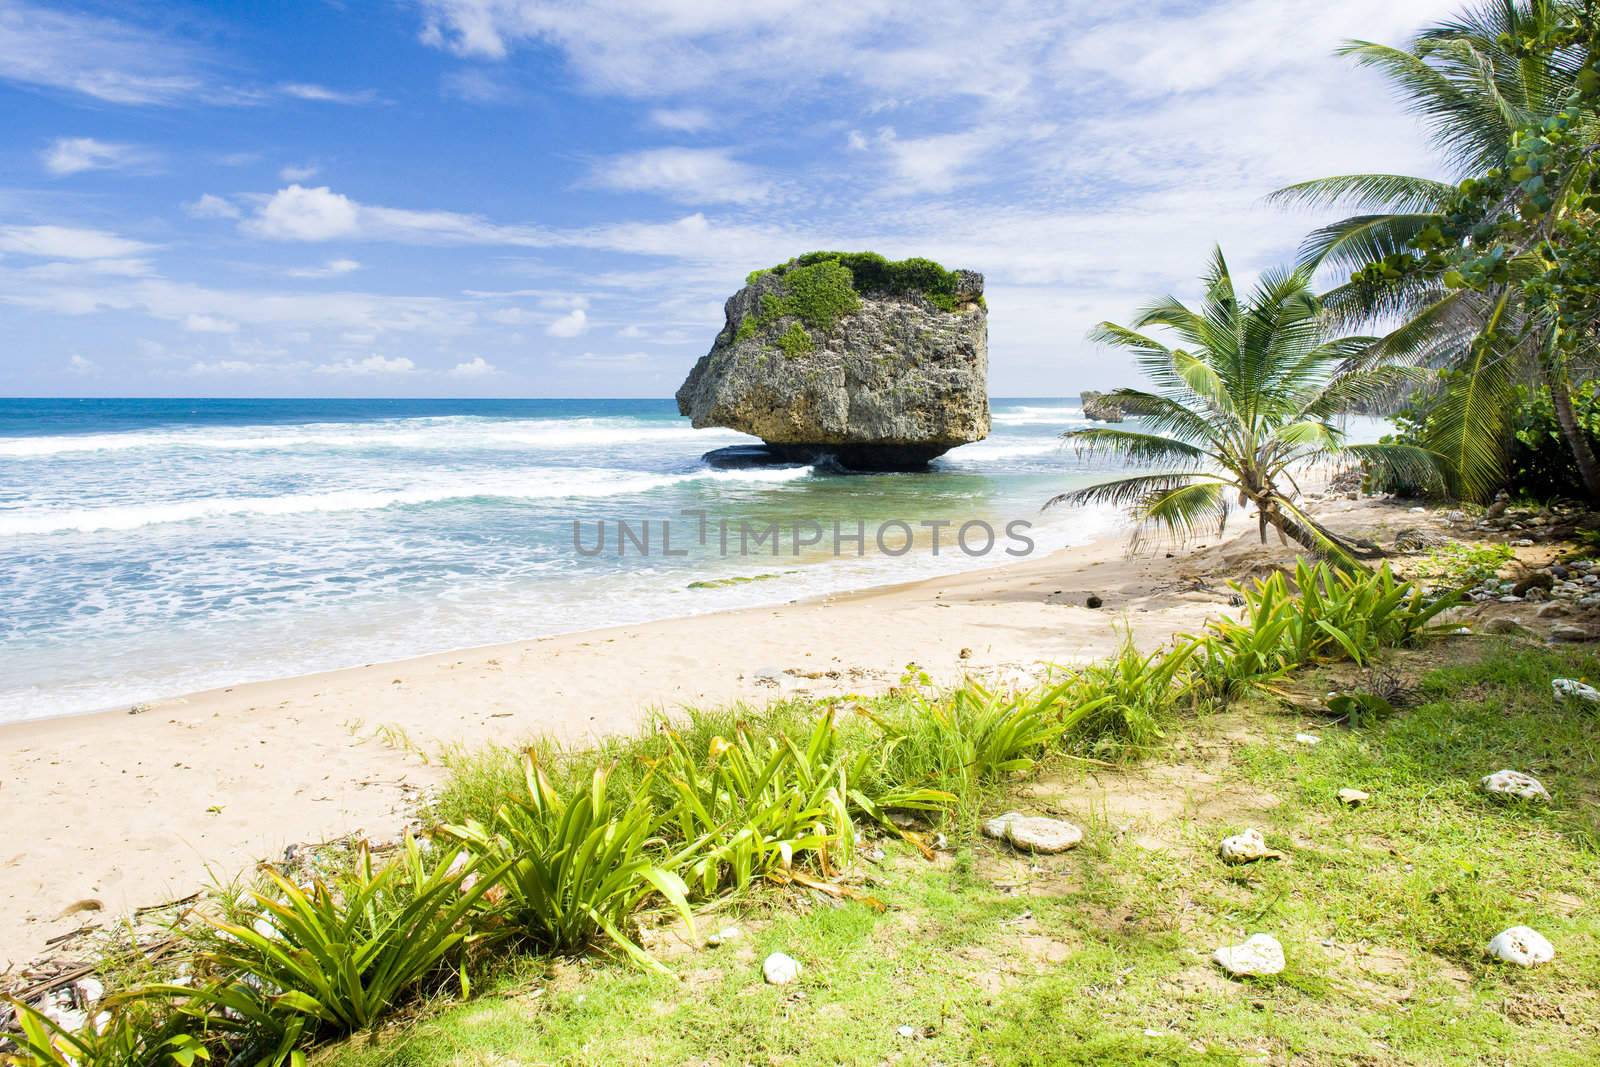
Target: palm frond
x: 1133, y: 447
x: 1379, y: 193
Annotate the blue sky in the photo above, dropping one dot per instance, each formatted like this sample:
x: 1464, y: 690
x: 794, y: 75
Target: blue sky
x: 521, y: 198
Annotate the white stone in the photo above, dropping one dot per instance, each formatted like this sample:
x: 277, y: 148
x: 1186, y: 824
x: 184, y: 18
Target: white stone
x: 1035, y: 833
x: 1353, y: 797
x: 1308, y: 739
x: 1246, y: 848
x: 1260, y: 954
x: 1523, y: 946
x: 1510, y: 783
x: 907, y: 1031
x: 1565, y: 688
x: 779, y: 969
x: 724, y: 935
x: 996, y: 827
x: 91, y: 991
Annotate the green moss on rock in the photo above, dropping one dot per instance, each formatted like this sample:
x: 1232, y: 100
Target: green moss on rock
x: 820, y: 288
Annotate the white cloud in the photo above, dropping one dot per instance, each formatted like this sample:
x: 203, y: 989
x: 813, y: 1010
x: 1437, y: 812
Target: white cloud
x: 331, y: 269
x: 68, y: 242
x: 370, y: 366
x: 80, y: 366
x: 476, y: 367
x: 571, y: 324
x: 478, y: 86
x: 226, y: 366
x: 212, y: 207
x: 209, y: 324
x: 682, y: 119
x: 322, y: 94
x: 301, y: 214
x: 111, y: 61
x: 74, y: 155
x: 298, y: 213
x: 692, y: 175
x: 603, y: 359
x: 511, y: 316
x: 298, y: 172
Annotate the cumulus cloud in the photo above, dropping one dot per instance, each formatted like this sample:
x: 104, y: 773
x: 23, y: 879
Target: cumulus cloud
x: 369, y: 367
x: 80, y: 366
x: 692, y: 175
x: 298, y: 172
x: 74, y: 155
x: 301, y: 214
x: 317, y: 213
x: 476, y: 367
x: 571, y: 324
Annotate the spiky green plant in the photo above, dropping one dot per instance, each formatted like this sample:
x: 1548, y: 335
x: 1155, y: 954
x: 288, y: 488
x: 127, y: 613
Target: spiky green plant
x: 118, y: 1041
x: 574, y: 867
x: 290, y: 962
x: 1250, y: 395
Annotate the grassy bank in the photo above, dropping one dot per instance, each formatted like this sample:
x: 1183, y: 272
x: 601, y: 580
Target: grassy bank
x: 1101, y: 955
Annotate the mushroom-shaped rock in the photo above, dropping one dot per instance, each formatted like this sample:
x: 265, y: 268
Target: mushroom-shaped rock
x: 879, y: 365
x: 1259, y: 954
x: 1522, y: 946
x: 1513, y: 784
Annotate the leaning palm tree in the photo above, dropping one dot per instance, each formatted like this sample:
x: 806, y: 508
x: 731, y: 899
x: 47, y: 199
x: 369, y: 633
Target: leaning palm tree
x: 1475, y: 83
x: 1249, y: 400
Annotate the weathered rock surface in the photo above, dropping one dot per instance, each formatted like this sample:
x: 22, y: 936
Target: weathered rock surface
x: 1260, y: 954
x: 1523, y: 946
x: 1246, y: 848
x: 1513, y: 784
x: 1102, y: 407
x: 889, y: 384
x: 1572, y: 689
x: 1033, y: 833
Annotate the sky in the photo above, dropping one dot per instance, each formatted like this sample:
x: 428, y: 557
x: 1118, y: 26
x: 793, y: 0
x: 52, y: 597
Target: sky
x: 528, y: 198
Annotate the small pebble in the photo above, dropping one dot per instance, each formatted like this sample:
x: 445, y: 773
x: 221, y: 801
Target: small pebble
x: 1308, y: 739
x: 779, y: 969
x: 1510, y: 783
x: 1353, y: 798
x: 1522, y: 946
x: 1260, y: 954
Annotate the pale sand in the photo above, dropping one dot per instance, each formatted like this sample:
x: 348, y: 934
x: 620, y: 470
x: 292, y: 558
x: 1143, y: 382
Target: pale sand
x: 136, y: 809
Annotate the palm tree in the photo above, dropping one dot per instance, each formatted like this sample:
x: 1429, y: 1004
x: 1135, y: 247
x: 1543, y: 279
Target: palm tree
x: 1250, y: 400
x: 1475, y: 84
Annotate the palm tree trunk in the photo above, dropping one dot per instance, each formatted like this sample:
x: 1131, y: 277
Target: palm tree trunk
x: 1314, y: 536
x: 1576, y: 437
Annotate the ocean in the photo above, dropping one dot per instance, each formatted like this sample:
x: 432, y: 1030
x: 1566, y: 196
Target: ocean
x: 150, y: 548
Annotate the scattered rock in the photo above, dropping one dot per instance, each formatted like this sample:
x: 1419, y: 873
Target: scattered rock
x: 1353, y: 798
x: 1246, y: 848
x: 1308, y: 739
x: 1260, y: 954
x: 1507, y: 627
x: 779, y: 969
x: 1569, y: 634
x: 965, y: 653
x: 1509, y: 783
x: 1034, y: 833
x: 1093, y: 601
x: 1502, y: 500
x: 1522, y: 946
x: 1533, y: 581
x: 1417, y: 539
x: 1565, y: 688
x: 1553, y: 610
x: 724, y: 935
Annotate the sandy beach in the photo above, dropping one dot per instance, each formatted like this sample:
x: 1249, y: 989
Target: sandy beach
x: 131, y: 808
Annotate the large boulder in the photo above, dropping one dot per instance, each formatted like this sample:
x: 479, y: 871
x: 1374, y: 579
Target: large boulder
x: 880, y: 365
x: 1102, y: 407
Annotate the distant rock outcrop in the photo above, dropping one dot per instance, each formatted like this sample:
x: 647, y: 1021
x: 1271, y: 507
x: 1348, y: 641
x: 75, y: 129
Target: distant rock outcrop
x: 1102, y: 407
x: 881, y: 365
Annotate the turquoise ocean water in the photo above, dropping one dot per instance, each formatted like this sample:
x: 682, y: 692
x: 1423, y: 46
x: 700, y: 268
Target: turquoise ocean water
x: 154, y: 547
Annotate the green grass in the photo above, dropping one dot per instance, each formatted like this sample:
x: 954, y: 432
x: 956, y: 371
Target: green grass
x: 1101, y: 955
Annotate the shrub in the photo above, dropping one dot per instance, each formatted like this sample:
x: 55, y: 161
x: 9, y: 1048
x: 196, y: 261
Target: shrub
x: 294, y: 961
x: 125, y: 1039
x: 575, y: 866
x: 1120, y: 702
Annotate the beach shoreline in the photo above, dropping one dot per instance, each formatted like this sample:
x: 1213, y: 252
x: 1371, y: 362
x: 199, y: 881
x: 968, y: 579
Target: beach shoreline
x: 128, y: 809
